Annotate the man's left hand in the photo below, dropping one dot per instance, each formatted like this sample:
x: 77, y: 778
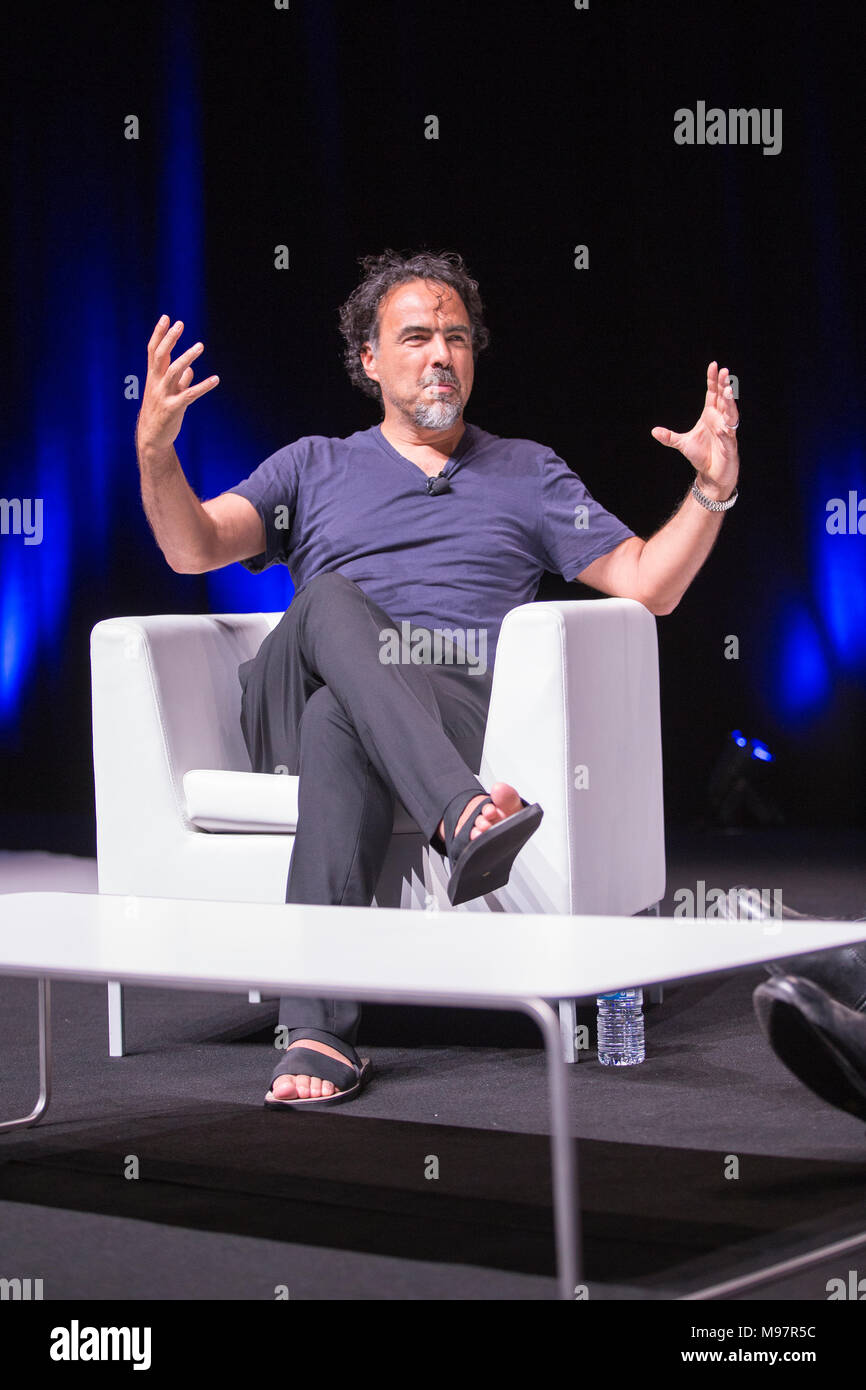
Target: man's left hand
x: 711, y: 445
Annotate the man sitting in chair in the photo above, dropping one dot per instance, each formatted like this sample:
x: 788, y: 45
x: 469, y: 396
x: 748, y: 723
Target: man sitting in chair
x: 407, y: 544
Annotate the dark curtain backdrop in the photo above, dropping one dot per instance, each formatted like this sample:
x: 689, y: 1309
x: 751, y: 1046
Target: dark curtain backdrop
x: 305, y: 126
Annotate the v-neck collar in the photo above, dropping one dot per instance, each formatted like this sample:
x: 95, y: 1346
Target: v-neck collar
x: 464, y: 445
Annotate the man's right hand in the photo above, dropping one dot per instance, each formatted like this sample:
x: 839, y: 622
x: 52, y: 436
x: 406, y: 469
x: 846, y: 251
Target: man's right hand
x: 167, y: 390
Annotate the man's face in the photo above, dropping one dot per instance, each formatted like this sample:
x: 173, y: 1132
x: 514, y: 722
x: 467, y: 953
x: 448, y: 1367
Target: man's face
x: 424, y: 348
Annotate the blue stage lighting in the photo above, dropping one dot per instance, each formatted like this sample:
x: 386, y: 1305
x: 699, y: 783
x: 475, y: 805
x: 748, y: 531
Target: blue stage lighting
x: 739, y: 793
x: 802, y: 673
x: 18, y: 632
x: 214, y: 439
x: 840, y: 556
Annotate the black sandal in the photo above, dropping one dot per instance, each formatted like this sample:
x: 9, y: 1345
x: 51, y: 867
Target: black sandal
x: 482, y: 865
x: 350, y: 1076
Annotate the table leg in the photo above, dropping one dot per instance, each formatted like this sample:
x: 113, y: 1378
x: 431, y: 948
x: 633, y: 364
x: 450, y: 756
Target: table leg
x: 44, y: 1061
x: 566, y: 1209
x: 568, y: 1029
x: 780, y: 1270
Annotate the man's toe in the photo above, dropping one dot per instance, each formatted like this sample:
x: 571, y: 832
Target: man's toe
x: 284, y: 1088
x: 488, y: 817
x: 506, y: 798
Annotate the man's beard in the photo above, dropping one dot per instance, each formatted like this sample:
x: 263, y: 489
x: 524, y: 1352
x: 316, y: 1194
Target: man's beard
x: 435, y: 414
x: 438, y: 415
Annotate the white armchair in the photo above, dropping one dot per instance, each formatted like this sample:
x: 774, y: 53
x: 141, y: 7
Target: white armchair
x: 573, y: 724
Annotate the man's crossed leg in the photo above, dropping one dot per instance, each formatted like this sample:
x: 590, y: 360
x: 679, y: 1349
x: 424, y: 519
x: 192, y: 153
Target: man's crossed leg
x: 360, y: 734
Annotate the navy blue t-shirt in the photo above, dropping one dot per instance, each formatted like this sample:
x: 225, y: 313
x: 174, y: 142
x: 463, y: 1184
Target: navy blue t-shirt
x: 461, y: 559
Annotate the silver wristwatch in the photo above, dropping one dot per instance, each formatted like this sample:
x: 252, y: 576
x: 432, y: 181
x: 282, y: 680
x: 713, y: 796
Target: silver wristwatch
x: 708, y: 502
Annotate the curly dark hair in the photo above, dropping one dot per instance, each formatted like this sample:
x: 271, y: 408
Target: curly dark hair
x: 359, y: 316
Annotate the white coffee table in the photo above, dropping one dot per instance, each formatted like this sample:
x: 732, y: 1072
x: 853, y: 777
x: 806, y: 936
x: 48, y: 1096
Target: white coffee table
x: 386, y: 955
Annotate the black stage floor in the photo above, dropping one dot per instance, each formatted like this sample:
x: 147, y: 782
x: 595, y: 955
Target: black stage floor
x: 232, y: 1200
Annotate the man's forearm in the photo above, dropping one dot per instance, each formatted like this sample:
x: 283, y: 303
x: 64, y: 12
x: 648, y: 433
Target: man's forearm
x: 672, y: 557
x: 181, y: 527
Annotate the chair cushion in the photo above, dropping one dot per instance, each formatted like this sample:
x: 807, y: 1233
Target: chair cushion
x: 255, y: 802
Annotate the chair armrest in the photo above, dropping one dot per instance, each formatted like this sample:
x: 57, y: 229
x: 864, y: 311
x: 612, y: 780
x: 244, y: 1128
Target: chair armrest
x: 574, y: 724
x: 165, y: 698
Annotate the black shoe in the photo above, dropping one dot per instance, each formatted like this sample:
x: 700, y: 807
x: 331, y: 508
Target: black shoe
x: 821, y: 1041
x: 349, y: 1076
x: 841, y: 971
x: 482, y: 865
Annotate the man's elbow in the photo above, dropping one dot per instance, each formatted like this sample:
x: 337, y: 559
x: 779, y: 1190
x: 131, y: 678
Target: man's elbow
x: 660, y: 608
x: 187, y: 564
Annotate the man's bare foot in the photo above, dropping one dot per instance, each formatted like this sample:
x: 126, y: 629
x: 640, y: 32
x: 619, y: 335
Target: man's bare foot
x: 506, y: 802
x: 301, y: 1086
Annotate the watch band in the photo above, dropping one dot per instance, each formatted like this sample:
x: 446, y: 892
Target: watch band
x: 708, y: 502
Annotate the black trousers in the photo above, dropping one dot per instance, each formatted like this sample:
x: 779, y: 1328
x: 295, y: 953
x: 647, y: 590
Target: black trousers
x: 360, y: 734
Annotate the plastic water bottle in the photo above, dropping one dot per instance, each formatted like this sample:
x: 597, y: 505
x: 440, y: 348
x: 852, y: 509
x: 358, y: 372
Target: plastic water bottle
x: 620, y: 1028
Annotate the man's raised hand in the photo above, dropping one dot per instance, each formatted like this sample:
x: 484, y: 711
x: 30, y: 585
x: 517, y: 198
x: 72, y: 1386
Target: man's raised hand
x: 711, y: 445
x: 167, y: 390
